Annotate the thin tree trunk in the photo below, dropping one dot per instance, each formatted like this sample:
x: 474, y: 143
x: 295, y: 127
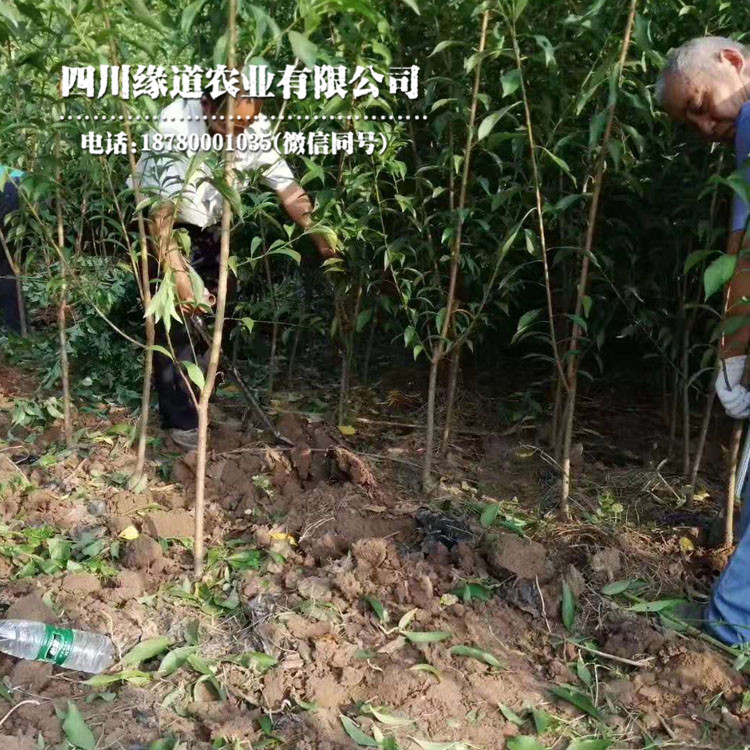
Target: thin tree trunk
x: 346, y: 362
x: 572, y: 375
x: 62, y: 306
x: 685, y: 402
x: 538, y: 198
x: 371, y: 342
x: 275, y: 330
x: 221, y: 300
x: 145, y: 284
x: 452, y: 383
x: 734, y: 451
x: 673, y: 413
x: 437, y: 354
x: 705, y: 422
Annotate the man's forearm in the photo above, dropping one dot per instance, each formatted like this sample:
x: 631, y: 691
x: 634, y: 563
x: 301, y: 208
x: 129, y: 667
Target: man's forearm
x: 161, y: 221
x: 735, y: 341
x: 298, y: 207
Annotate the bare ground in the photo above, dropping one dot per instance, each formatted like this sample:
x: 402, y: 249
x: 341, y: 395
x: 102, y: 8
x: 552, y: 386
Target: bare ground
x: 341, y: 608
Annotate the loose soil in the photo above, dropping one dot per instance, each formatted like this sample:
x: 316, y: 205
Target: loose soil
x: 325, y: 569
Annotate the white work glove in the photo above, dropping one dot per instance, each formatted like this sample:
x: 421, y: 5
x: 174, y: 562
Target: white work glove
x: 735, y: 398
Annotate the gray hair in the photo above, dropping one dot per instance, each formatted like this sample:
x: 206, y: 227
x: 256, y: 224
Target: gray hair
x: 693, y: 57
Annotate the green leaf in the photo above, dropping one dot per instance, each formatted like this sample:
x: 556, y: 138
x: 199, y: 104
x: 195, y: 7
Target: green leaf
x: 718, y: 273
x: 548, y: 49
x: 189, y: 15
x: 174, y: 660
x: 476, y: 653
x: 76, y: 730
x: 293, y: 254
x: 133, y: 676
x: 577, y: 699
x: 542, y: 720
x: 523, y: 742
x: 510, y: 715
x: 568, y: 606
x: 617, y: 587
x: 695, y: 258
x: 303, y: 48
x: 430, y: 636
x: 440, y: 46
x: 560, y: 163
x: 413, y: 5
x: 353, y: 730
x: 583, y: 672
x: 657, y: 606
x: 145, y: 16
x: 382, y: 715
x: 510, y: 82
x: 519, y: 8
x: 426, y: 668
x: 594, y: 744
x: 489, y: 514
x: 487, y: 124
x: 161, y: 350
x: 146, y: 650
x: 194, y: 373
x: 380, y: 611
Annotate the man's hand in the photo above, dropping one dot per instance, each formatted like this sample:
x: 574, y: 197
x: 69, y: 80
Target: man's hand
x: 324, y: 249
x: 733, y: 395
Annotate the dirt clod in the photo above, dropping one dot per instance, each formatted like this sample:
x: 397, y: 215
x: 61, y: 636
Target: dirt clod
x: 85, y: 583
x: 142, y: 552
x: 174, y: 525
x: 31, y: 607
x: 31, y: 675
x: 509, y: 553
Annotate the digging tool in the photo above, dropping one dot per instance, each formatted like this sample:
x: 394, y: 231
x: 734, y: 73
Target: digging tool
x: 199, y: 327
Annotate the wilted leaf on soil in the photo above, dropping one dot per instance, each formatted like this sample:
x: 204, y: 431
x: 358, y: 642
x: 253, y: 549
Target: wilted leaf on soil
x: 346, y: 429
x: 382, y: 715
x: 174, y: 660
x: 583, y: 672
x: 577, y: 699
x: 568, y: 606
x: 76, y: 730
x: 657, y: 606
x: 542, y: 720
x: 351, y: 728
x: 489, y: 514
x: 133, y: 676
x: 129, y: 533
x: 380, y: 611
x: 431, y: 636
x: 406, y: 619
x: 146, y: 650
x: 594, y: 744
x: 617, y: 587
x: 426, y: 668
x: 524, y: 742
x: 510, y: 714
x: 476, y: 653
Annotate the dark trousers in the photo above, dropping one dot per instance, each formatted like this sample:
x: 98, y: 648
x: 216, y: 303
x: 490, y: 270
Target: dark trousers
x: 10, y: 305
x: 176, y: 406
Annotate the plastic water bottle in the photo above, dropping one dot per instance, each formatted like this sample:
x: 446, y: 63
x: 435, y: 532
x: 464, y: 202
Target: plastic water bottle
x: 72, y: 649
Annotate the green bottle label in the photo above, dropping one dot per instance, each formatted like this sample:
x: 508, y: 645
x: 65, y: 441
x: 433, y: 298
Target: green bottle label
x: 56, y: 646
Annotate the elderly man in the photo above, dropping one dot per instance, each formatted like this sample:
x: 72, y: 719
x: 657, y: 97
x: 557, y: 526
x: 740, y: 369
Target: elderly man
x: 188, y: 201
x: 706, y: 84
